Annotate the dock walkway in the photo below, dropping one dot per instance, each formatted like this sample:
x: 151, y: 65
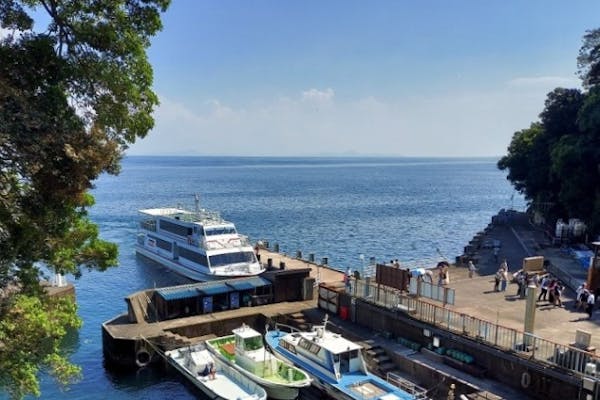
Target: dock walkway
x: 476, y: 297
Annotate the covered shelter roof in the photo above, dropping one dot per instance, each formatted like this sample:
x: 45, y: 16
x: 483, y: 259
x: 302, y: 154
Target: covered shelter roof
x: 248, y: 283
x: 214, y: 288
x: 178, y: 292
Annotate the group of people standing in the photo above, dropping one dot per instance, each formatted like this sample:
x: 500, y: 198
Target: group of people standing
x: 552, y: 289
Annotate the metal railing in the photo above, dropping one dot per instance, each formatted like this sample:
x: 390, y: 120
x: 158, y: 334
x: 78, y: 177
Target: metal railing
x: 416, y: 391
x: 432, y: 291
x: 526, y: 345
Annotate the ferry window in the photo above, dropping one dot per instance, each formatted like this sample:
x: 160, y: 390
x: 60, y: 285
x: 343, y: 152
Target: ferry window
x: 353, y: 354
x: 314, y: 348
x: 193, y: 256
x: 288, y: 346
x: 223, y: 230
x: 162, y: 244
x: 174, y: 228
x: 305, y: 344
x: 336, y: 358
x: 148, y: 224
x: 231, y: 258
x: 345, y: 362
x: 253, y: 343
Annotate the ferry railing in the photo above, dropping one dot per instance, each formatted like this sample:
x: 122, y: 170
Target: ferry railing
x: 215, y: 244
x: 149, y: 225
x: 526, y: 345
x: 416, y: 391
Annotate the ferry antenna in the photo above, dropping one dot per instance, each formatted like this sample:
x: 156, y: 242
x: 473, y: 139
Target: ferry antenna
x: 197, y: 202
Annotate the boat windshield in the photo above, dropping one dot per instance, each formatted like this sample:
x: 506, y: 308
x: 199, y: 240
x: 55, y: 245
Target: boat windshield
x: 220, y: 260
x: 221, y: 230
x: 253, y: 343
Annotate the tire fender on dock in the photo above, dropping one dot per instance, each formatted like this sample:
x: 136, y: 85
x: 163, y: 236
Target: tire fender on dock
x: 143, y: 357
x: 525, y: 380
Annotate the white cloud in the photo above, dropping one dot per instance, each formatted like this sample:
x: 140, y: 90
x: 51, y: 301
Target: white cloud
x: 319, y: 96
x: 545, y: 81
x: 469, y: 123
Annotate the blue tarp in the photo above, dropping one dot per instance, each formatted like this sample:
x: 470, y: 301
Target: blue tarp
x: 583, y: 256
x: 178, y: 293
x: 248, y: 283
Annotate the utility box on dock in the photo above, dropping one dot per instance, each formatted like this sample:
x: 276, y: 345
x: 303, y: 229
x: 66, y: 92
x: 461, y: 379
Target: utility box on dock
x: 308, y: 292
x: 207, y: 305
x: 533, y: 264
x: 234, y: 300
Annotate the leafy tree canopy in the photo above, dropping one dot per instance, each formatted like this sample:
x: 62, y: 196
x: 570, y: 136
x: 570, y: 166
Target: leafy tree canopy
x: 556, y: 162
x: 73, y: 95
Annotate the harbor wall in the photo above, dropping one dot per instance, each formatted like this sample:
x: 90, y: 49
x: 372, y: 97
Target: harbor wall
x: 514, y: 371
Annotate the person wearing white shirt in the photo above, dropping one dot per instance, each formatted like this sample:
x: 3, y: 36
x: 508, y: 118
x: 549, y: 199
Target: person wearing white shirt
x: 591, y: 300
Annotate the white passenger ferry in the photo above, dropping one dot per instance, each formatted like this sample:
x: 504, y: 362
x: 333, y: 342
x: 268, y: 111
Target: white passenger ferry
x: 197, y: 244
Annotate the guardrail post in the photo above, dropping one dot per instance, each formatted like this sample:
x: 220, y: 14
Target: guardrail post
x: 445, y: 295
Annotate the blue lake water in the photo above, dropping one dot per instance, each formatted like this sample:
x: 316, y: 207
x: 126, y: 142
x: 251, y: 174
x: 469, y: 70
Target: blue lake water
x: 416, y: 210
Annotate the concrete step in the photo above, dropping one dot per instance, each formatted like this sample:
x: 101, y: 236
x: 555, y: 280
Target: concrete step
x: 380, y: 359
x: 387, y: 367
x: 375, y: 351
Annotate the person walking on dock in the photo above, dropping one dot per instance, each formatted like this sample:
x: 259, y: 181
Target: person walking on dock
x: 472, y: 268
x: 544, y: 288
x: 579, y: 293
x: 504, y: 265
x: 347, y: 279
x: 558, y: 289
x: 552, y: 291
x: 591, y: 300
x: 503, y: 279
x: 497, y: 278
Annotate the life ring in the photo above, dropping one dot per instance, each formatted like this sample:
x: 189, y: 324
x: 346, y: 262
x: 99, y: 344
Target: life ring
x: 142, y: 358
x: 525, y: 380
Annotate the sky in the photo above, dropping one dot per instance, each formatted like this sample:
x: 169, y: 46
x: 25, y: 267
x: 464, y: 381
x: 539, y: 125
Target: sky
x: 379, y: 78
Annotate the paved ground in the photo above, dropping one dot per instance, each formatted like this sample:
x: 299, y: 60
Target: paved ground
x: 320, y: 273
x: 476, y: 296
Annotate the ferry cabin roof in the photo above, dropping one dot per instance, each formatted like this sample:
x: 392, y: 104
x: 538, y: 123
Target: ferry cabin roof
x: 333, y: 342
x: 186, y: 223
x: 203, y: 217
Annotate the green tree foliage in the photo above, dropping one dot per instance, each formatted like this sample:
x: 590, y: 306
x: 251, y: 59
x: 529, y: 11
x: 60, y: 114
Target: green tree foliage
x: 589, y: 59
x: 556, y: 162
x: 73, y: 95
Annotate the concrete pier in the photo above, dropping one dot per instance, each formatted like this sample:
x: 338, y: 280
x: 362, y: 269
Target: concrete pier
x: 399, y: 337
